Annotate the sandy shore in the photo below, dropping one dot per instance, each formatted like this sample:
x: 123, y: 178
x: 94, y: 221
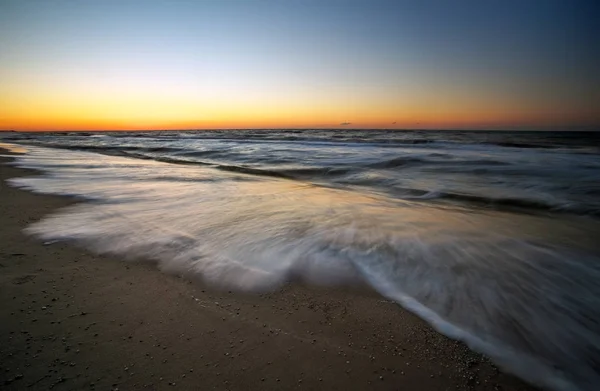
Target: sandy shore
x: 73, y: 320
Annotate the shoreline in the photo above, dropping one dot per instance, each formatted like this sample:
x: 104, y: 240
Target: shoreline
x: 76, y: 320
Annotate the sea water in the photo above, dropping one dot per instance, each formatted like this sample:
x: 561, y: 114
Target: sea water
x: 491, y: 237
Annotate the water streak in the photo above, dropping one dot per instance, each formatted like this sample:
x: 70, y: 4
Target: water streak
x: 521, y: 288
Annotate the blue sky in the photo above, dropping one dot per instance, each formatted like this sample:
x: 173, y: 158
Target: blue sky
x: 298, y: 63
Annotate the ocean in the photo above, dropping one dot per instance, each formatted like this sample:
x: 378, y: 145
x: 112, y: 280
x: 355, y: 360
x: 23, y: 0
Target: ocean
x: 491, y: 237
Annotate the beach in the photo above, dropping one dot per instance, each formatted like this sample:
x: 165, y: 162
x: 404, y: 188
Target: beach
x: 75, y: 320
x: 245, y: 195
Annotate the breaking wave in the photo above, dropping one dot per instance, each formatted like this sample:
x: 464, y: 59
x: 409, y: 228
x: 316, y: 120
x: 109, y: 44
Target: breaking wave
x: 522, y: 289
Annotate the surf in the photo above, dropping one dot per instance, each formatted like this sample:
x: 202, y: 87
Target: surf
x: 511, y: 286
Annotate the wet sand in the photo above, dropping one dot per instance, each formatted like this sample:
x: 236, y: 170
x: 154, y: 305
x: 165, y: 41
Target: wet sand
x: 73, y: 320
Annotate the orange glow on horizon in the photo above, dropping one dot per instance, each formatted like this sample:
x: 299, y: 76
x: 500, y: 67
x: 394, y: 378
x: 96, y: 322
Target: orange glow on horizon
x: 97, y: 65
x: 88, y: 105
x: 164, y: 114
x: 413, y: 122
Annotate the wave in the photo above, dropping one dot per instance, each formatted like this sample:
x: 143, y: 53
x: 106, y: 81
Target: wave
x: 505, y: 287
x: 253, y: 171
x: 520, y: 204
x: 412, y: 161
x: 511, y: 144
x: 101, y: 148
x: 364, y: 160
x: 97, y: 135
x: 397, y: 162
x: 163, y: 149
x: 289, y: 173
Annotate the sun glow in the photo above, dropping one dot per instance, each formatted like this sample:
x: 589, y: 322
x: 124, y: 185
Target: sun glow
x: 113, y: 66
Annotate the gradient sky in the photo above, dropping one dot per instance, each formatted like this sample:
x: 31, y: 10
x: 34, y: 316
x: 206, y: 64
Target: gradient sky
x: 185, y: 64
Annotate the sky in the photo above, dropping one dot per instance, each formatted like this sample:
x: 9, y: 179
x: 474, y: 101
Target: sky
x: 194, y: 64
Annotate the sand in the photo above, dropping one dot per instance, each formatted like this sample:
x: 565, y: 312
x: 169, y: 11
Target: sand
x: 74, y: 320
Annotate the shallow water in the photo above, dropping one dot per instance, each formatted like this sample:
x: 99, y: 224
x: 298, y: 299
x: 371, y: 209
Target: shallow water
x: 530, y: 171
x: 511, y: 267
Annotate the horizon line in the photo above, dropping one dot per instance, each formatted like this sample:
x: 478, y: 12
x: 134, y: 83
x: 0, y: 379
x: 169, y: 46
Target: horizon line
x: 584, y: 128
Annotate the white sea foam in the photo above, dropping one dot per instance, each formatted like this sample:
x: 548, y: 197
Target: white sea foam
x: 502, y: 283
